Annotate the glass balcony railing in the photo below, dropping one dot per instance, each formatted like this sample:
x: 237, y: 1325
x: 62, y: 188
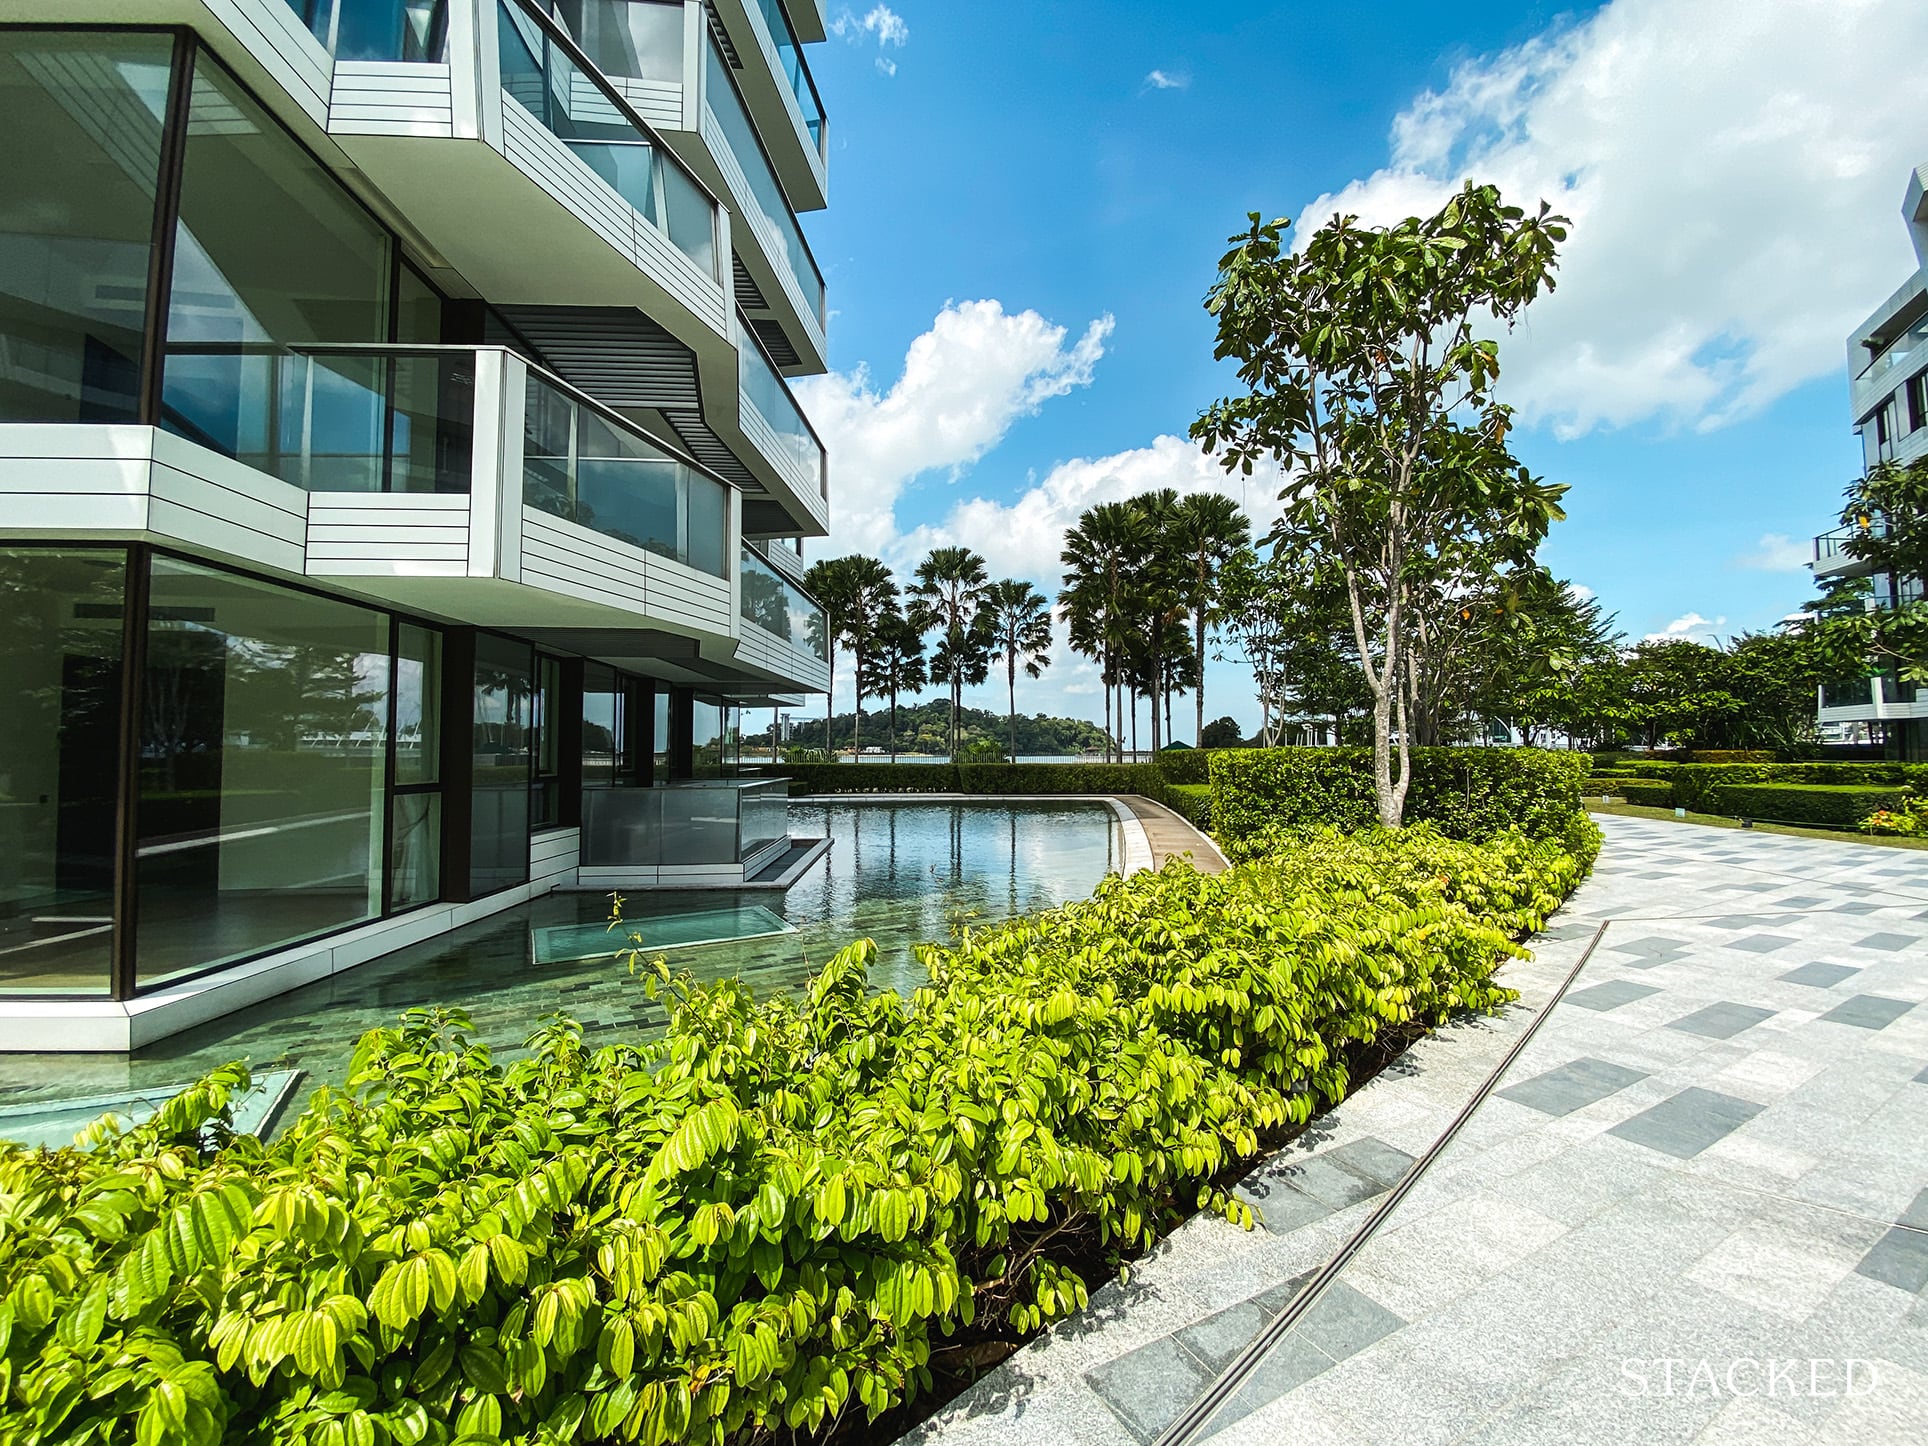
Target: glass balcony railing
x: 626, y: 39
x: 592, y: 468
x: 1848, y: 693
x: 794, y: 68
x: 764, y: 390
x: 1911, y: 345
x: 698, y: 823
x: 330, y: 419
x: 411, y: 30
x: 769, y: 213
x: 780, y: 607
x: 577, y: 106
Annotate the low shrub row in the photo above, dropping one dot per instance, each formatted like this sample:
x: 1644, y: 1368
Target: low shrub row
x: 1825, y: 805
x: 1651, y: 792
x: 1194, y: 801
x: 1471, y: 793
x: 1807, y: 792
x: 758, y: 1225
x: 1147, y: 779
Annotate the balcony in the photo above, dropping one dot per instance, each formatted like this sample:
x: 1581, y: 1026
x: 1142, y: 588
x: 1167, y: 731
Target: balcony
x: 387, y: 30
x: 772, y: 420
x: 784, y: 621
x: 1831, y: 555
x: 713, y: 832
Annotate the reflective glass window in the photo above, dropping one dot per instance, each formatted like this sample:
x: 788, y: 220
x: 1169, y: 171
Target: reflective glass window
x: 504, y: 737
x: 60, y: 691
x: 81, y: 114
x: 263, y: 762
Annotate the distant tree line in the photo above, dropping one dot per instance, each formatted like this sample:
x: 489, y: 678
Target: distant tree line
x: 925, y: 728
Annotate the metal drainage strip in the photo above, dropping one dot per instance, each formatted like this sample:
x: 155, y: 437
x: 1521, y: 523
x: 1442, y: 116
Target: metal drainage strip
x: 1191, y: 1423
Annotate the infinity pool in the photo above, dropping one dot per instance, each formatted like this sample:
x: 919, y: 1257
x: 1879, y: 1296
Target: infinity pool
x: 897, y: 872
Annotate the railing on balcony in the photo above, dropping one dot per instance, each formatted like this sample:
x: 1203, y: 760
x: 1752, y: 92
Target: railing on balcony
x: 770, y: 212
x: 781, y: 608
x: 409, y: 30
x: 1911, y: 345
x: 766, y: 391
x: 1848, y: 693
x: 590, y: 467
x: 702, y: 823
x: 1831, y: 547
x: 330, y: 418
x: 626, y: 39
x: 574, y: 103
x: 795, y: 69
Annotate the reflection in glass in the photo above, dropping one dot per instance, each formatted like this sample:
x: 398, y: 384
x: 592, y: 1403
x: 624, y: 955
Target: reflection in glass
x: 545, y: 796
x: 504, y: 739
x: 60, y: 689
x: 270, y: 253
x: 80, y: 113
x: 633, y: 39
x: 417, y: 850
x: 263, y: 750
x: 603, y: 726
x: 418, y: 706
x: 778, y: 606
x: 770, y: 399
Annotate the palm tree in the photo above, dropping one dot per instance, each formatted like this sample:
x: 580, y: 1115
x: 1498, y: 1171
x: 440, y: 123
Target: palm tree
x: 831, y: 583
x: 898, y: 664
x: 1020, y: 626
x: 1210, y: 530
x: 1157, y: 597
x: 947, y: 597
x: 872, y: 598
x: 1099, y: 554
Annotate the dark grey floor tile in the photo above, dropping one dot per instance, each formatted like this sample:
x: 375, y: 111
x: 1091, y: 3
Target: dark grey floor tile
x: 1802, y: 901
x: 1922, y: 1078
x: 1343, y: 1321
x: 1568, y: 931
x: 1687, y: 1123
x: 1917, y: 1213
x: 1217, y: 1338
x: 1820, y: 976
x: 1761, y: 943
x: 1868, y: 1011
x: 1762, y: 888
x: 1889, y: 943
x: 1656, y: 944
x: 1721, y: 1021
x: 1148, y: 1387
x: 1374, y: 1159
x: 1572, y: 1086
x: 1280, y: 1296
x: 1611, y: 995
x: 1857, y: 906
x: 1899, y: 1258
x: 1286, y: 1367
x: 1328, y: 1180
x: 1281, y: 1209
x: 1738, y: 921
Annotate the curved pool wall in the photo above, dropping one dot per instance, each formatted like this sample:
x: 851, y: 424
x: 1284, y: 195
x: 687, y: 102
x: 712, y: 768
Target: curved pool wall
x: 900, y: 872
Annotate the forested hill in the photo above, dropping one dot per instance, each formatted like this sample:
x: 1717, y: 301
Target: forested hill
x: 922, y: 727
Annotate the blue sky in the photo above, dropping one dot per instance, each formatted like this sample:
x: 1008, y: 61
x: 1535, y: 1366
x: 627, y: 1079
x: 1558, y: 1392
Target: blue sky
x: 1028, y: 203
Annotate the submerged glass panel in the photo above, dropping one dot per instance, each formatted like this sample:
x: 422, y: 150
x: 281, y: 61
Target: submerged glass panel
x: 60, y: 703
x: 683, y: 930
x: 263, y: 759
x: 81, y: 117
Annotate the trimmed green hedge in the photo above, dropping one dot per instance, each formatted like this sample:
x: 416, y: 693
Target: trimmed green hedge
x: 1472, y: 793
x: 978, y: 778
x: 1194, y: 801
x: 758, y: 1224
x: 1190, y: 765
x: 1697, y: 786
x: 1828, y: 805
x: 1650, y: 792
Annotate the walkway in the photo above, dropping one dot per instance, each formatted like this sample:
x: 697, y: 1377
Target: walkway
x: 1694, y: 1208
x: 1172, y: 837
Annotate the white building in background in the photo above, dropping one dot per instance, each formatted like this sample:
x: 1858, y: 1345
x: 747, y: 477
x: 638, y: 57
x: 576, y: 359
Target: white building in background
x: 1888, y: 389
x: 400, y: 491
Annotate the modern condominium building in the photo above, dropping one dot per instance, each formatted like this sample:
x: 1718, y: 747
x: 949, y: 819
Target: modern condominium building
x: 1888, y: 387
x: 400, y: 493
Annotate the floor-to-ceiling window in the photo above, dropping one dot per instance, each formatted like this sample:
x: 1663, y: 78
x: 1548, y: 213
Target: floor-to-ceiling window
x: 415, y: 838
x: 504, y: 756
x: 270, y: 253
x: 81, y: 121
x: 60, y: 707
x: 263, y: 760
x: 545, y: 789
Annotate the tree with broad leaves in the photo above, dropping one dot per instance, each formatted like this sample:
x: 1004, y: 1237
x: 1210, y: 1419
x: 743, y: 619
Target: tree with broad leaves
x: 1878, y: 623
x: 1019, y: 619
x: 1366, y: 378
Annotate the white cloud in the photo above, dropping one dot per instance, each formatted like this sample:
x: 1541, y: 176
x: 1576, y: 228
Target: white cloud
x: 1023, y: 537
x: 1733, y: 173
x: 1691, y: 626
x: 1580, y: 592
x: 1777, y: 552
x: 965, y: 382
x: 1168, y: 80
x: 881, y: 24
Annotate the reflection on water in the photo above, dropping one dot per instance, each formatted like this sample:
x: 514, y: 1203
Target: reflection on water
x: 897, y: 872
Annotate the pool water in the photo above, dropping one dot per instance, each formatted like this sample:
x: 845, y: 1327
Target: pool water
x: 897, y: 872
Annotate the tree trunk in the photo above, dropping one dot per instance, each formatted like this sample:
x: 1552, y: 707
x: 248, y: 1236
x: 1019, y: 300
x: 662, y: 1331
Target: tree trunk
x: 857, y: 713
x: 1198, y: 635
x: 830, y: 704
x: 1011, y: 683
x: 893, y: 723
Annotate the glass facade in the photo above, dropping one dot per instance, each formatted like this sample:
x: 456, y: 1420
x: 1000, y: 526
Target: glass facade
x: 545, y: 792
x: 415, y: 828
x: 263, y: 763
x: 503, y: 751
x: 60, y: 709
x: 771, y: 601
x: 411, y: 30
x: 82, y: 114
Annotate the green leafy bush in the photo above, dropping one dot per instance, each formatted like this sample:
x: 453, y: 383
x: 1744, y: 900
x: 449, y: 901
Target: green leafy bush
x: 1472, y: 793
x: 1698, y: 785
x: 1828, y: 805
x: 1731, y: 755
x: 761, y: 1221
x: 1191, y: 768
x: 1194, y: 801
x: 1649, y: 792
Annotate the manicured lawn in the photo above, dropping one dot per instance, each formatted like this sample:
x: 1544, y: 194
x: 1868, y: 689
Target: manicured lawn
x: 1713, y: 820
